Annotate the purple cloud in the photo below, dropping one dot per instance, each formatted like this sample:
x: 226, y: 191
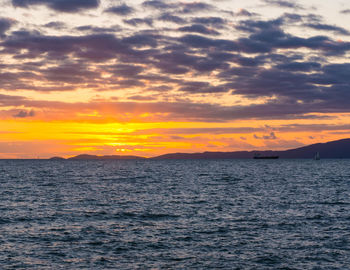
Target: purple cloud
x: 59, y: 5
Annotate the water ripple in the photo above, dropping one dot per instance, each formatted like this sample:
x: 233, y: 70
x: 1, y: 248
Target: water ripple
x: 176, y: 214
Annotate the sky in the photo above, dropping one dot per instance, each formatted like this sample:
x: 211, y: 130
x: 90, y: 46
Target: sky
x: 150, y: 77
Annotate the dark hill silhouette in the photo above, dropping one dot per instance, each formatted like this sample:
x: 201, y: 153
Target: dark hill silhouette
x: 334, y: 149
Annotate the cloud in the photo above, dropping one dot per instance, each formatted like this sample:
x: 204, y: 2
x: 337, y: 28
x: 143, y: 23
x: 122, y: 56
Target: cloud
x: 212, y: 21
x: 283, y: 3
x: 179, y: 7
x: 327, y: 27
x: 138, y: 21
x: 124, y: 70
x: 195, y: 131
x: 299, y: 66
x: 203, y: 54
x: 201, y: 87
x: 142, y: 98
x: 177, y: 110
x: 69, y: 73
x: 97, y: 30
x: 271, y: 136
x: 24, y: 114
x: 157, y: 4
x: 122, y: 10
x: 193, y: 7
x: 5, y: 24
x: 92, y: 47
x: 167, y: 17
x: 198, y: 28
x: 244, y: 12
x: 345, y: 11
x: 56, y: 25
x: 59, y: 5
x: 312, y: 127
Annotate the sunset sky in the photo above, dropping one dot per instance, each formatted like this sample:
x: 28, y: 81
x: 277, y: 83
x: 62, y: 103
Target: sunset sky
x: 153, y: 77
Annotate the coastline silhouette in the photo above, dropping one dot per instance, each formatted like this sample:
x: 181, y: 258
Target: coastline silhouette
x: 332, y: 149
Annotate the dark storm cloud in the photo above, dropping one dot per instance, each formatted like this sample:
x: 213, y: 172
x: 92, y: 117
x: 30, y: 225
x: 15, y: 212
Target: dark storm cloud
x: 122, y: 10
x: 59, y: 5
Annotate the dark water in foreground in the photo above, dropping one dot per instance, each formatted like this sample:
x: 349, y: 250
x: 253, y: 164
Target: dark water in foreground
x: 181, y: 214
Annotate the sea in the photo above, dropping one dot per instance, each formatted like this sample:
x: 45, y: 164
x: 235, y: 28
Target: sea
x: 175, y: 214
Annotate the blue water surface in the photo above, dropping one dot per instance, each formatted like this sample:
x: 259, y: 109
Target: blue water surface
x: 175, y: 214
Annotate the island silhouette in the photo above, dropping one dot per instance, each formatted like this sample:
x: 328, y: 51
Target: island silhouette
x: 333, y: 149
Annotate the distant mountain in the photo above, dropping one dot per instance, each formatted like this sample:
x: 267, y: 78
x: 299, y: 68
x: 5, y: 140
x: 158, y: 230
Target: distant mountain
x: 207, y: 155
x: 334, y: 149
x: 94, y: 157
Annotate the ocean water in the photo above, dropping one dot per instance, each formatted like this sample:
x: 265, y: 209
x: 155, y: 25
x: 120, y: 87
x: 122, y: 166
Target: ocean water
x: 175, y: 214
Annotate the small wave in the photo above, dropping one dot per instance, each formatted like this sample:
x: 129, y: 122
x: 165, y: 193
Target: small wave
x: 268, y: 260
x: 5, y: 221
x: 157, y: 216
x: 334, y: 203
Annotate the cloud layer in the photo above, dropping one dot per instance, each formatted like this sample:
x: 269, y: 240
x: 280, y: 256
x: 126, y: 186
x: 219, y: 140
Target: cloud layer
x: 153, y: 61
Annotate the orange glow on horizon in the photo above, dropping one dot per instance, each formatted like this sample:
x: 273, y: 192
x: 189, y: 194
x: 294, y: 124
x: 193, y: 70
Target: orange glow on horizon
x: 29, y: 139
